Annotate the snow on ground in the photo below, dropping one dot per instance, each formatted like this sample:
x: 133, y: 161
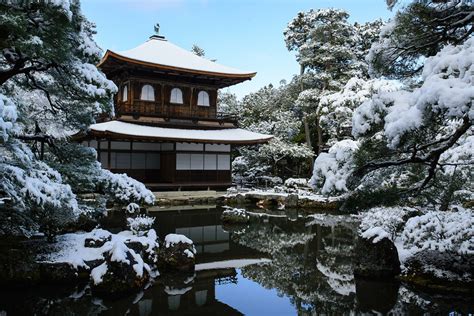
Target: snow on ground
x: 72, y: 250
x: 282, y: 192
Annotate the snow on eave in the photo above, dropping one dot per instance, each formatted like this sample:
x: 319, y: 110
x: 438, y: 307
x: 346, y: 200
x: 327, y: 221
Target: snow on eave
x: 165, y: 55
x: 224, y: 136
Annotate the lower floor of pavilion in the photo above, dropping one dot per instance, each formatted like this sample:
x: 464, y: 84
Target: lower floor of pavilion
x: 169, y: 158
x: 167, y: 164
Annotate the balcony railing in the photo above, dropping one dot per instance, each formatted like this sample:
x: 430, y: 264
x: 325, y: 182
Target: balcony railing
x: 173, y: 111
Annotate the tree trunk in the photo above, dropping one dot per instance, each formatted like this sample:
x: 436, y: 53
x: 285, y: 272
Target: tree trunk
x: 319, y: 142
x: 307, y: 131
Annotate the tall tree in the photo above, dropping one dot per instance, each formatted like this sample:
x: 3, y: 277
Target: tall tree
x: 50, y: 89
x: 331, y: 51
x: 418, y: 31
x: 417, y: 141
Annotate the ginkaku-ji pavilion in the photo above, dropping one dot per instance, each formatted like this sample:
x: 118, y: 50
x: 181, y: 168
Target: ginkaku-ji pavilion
x: 168, y: 132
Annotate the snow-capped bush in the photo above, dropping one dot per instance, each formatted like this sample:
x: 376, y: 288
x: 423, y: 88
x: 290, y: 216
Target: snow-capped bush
x: 126, y: 189
x: 141, y: 224
x: 133, y: 208
x: 8, y: 117
x: 332, y: 169
x: 390, y: 219
x: 441, y: 231
x: 387, y: 219
x: 296, y: 183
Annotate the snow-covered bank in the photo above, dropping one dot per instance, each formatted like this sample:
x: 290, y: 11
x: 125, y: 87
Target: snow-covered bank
x: 72, y: 248
x: 281, y: 197
x: 117, y: 264
x: 438, y: 244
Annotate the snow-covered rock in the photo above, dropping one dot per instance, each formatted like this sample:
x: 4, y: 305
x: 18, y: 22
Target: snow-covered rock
x: 235, y: 216
x: 178, y: 254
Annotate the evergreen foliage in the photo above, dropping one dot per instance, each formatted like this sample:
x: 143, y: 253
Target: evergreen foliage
x: 415, y: 136
x: 49, y: 90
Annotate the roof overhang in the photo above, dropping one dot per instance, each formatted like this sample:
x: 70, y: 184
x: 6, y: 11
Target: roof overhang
x: 109, y: 62
x: 128, y: 131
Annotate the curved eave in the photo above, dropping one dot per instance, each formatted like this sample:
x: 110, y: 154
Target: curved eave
x: 110, y: 53
x: 113, y: 135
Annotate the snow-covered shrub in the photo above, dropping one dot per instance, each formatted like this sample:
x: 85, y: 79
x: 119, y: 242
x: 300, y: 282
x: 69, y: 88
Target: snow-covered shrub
x: 441, y: 231
x: 126, y: 189
x: 386, y: 221
x: 332, y: 169
x: 336, y: 109
x: 36, y: 191
x: 141, y: 224
x: 8, y: 117
x: 296, y: 183
x: 133, y: 208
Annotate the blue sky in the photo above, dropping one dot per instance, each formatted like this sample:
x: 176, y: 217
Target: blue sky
x: 243, y: 34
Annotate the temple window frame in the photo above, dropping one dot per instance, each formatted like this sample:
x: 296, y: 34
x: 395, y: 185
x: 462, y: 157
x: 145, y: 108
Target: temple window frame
x: 145, y: 92
x: 205, y: 101
x: 176, y: 95
x: 124, y: 93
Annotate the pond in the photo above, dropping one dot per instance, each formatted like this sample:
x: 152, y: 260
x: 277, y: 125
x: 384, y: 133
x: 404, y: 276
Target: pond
x: 281, y: 264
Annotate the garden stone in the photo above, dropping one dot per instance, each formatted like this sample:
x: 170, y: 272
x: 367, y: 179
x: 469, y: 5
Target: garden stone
x: 235, y: 216
x: 376, y: 260
x: 177, y: 254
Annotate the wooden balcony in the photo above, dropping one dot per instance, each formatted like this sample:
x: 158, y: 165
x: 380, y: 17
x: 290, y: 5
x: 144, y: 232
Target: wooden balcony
x: 173, y: 112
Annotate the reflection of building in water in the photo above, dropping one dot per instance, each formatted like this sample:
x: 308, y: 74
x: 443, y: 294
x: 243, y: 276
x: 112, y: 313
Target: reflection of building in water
x: 197, y: 298
x: 196, y: 295
x: 204, y: 228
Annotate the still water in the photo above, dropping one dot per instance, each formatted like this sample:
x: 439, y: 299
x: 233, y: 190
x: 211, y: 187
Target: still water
x: 281, y: 264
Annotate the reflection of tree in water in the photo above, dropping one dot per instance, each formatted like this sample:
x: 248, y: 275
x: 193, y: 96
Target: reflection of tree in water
x: 311, y: 263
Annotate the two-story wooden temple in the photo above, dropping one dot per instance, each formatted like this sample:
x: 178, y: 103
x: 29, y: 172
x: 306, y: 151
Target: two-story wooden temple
x: 167, y: 131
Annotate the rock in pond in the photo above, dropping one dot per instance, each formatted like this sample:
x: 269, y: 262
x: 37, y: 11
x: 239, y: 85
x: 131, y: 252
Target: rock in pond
x: 177, y: 254
x: 376, y: 259
x: 235, y: 216
x: 122, y: 272
x: 441, y: 271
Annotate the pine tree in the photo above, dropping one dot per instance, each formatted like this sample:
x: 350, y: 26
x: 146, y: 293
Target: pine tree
x: 49, y: 89
x: 419, y: 31
x: 330, y: 51
x: 198, y: 50
x: 415, y: 141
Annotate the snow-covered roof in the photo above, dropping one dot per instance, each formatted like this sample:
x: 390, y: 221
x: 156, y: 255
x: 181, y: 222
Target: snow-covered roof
x: 160, y: 52
x: 225, y: 136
